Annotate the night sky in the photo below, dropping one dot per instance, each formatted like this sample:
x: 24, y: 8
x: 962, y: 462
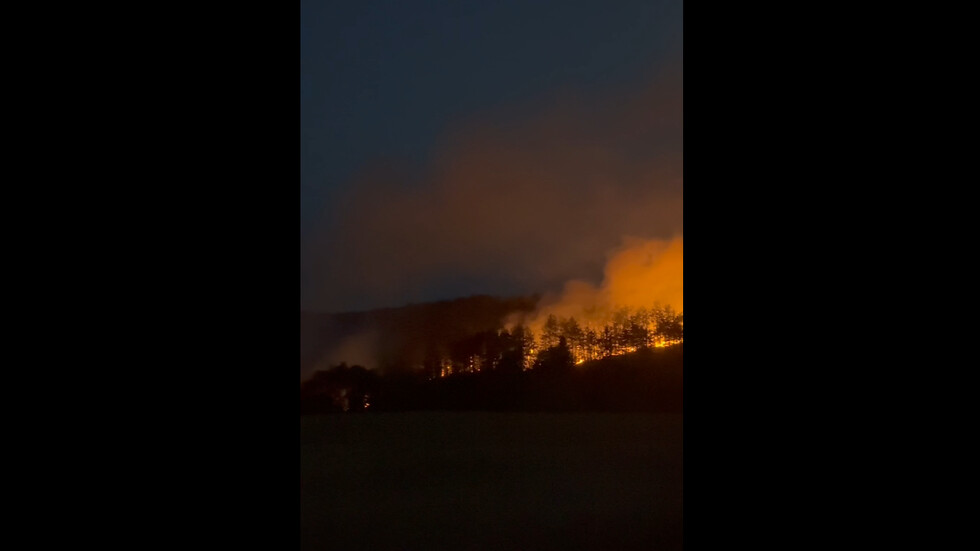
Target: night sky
x: 479, y: 147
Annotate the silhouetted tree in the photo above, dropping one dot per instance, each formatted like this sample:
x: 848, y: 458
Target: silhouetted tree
x: 670, y: 325
x: 590, y: 343
x: 620, y: 329
x: 638, y: 333
x: 512, y: 355
x: 574, y: 335
x: 527, y: 344
x: 607, y: 341
x: 550, y: 332
x: 557, y: 359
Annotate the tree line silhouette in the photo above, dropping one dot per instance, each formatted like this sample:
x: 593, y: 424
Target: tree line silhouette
x: 626, y: 330
x: 632, y: 361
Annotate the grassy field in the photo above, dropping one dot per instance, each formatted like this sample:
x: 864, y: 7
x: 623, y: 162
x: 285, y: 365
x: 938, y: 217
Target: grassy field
x: 473, y: 480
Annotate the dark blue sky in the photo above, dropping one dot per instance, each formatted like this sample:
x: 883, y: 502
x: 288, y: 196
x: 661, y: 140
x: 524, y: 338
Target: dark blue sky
x: 384, y: 82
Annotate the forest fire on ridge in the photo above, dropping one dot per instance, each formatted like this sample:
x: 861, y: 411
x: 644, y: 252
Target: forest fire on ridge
x: 636, y: 306
x: 520, y: 348
x: 631, y: 309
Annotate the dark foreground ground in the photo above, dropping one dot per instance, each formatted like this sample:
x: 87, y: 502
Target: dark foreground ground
x: 473, y: 480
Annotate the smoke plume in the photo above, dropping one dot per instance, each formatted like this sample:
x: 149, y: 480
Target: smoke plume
x: 640, y: 273
x: 517, y: 201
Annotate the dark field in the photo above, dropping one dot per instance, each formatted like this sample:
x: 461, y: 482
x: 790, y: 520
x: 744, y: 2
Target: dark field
x: 473, y: 480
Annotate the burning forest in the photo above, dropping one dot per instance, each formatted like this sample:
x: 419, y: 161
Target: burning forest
x: 474, y: 344
x: 491, y: 275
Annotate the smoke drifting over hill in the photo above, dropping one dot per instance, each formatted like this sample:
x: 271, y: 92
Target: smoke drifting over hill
x: 517, y: 201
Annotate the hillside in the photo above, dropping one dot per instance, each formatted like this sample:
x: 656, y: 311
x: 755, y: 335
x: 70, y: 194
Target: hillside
x: 385, y: 337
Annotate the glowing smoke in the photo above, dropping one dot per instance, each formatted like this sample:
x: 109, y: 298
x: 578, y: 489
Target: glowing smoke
x: 512, y: 201
x: 640, y: 273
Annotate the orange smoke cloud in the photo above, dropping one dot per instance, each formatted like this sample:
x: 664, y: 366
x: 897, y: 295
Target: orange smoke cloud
x: 511, y: 202
x: 640, y: 273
